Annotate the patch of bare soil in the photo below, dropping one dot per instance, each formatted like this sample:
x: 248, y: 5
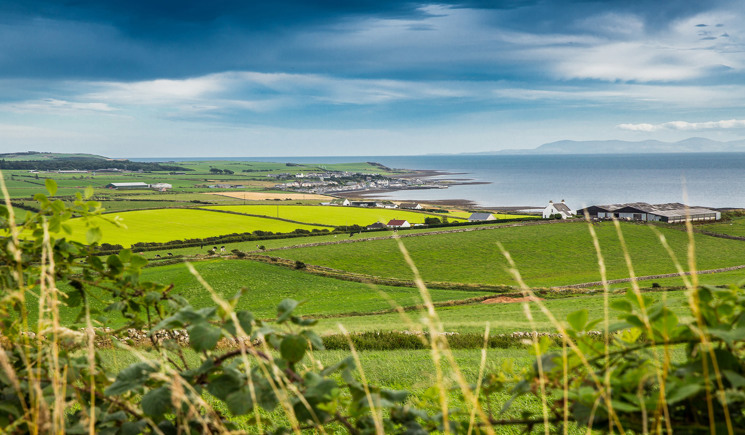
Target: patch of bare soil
x: 509, y: 300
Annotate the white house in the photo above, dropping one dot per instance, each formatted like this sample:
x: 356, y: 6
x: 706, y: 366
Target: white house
x: 396, y: 223
x: 477, y: 217
x: 161, y: 187
x: 341, y: 201
x: 410, y: 206
x: 557, y: 208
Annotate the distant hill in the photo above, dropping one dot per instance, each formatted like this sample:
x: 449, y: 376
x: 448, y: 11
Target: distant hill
x: 691, y: 145
x: 32, y: 160
x: 36, y: 155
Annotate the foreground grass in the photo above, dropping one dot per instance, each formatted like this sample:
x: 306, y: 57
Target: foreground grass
x: 402, y: 370
x: 546, y: 255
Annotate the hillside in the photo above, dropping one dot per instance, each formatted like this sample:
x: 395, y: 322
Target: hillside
x: 690, y: 145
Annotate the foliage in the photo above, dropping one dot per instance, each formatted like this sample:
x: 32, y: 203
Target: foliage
x: 627, y: 381
x: 85, y: 163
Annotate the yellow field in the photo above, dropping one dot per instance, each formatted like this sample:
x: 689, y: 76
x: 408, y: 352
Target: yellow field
x: 255, y: 196
x: 164, y: 225
x: 331, y: 215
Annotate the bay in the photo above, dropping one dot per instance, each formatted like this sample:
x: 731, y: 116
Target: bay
x: 703, y: 179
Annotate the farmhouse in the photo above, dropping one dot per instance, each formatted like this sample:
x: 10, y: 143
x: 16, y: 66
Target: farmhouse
x: 125, y: 186
x: 410, y: 206
x: 395, y: 223
x: 376, y: 226
x: 559, y: 208
x: 340, y: 201
x: 641, y: 211
x: 477, y: 217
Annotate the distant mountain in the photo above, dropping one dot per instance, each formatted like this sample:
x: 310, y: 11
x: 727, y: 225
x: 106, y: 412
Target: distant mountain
x: 36, y: 155
x: 691, y: 145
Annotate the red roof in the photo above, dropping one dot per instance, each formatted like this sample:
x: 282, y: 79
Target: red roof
x: 395, y: 223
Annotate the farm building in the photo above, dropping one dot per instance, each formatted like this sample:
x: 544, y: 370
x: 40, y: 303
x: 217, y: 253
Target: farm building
x: 364, y: 203
x: 161, y: 187
x: 410, y: 206
x: 376, y: 226
x: 396, y: 223
x: 125, y: 186
x: 641, y: 211
x: 477, y: 217
x: 558, y: 208
x: 340, y: 201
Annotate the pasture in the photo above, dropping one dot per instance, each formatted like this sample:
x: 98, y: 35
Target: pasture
x: 163, y: 225
x: 734, y: 227
x: 546, y: 255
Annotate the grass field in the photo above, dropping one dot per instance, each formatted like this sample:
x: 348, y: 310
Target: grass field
x: 164, y: 225
x: 546, y: 255
x: 268, y: 284
x: 328, y: 215
x: 502, y: 318
x: 734, y: 227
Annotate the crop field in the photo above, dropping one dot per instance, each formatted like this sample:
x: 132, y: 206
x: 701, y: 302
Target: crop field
x: 546, y: 255
x: 163, y: 225
x: 331, y: 215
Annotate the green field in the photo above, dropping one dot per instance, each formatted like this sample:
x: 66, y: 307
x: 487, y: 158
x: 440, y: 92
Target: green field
x: 268, y: 284
x: 165, y: 225
x: 734, y: 227
x: 546, y: 255
x: 332, y: 215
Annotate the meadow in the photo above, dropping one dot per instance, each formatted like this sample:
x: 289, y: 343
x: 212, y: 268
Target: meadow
x: 733, y: 227
x: 546, y: 255
x: 163, y: 225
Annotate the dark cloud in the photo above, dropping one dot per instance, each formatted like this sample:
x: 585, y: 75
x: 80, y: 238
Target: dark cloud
x: 143, y: 39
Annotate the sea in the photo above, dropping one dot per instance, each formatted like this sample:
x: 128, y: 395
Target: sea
x: 529, y: 181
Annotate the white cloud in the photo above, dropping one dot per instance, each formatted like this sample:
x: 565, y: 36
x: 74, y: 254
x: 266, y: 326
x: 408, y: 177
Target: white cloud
x: 56, y: 106
x: 684, y: 125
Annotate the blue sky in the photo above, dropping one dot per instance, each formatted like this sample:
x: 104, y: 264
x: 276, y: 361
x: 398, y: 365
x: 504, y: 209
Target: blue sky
x: 132, y: 78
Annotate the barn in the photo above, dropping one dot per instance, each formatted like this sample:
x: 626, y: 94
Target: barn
x: 672, y: 212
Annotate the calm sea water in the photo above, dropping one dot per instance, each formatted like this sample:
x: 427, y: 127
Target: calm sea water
x: 708, y: 179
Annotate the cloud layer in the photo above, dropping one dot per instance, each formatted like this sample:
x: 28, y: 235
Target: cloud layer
x: 541, y: 71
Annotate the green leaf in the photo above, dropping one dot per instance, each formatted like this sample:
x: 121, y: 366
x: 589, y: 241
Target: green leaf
x: 293, y: 347
x: 736, y: 379
x: 314, y: 339
x: 285, y: 308
x: 93, y: 235
x: 683, y: 392
x: 240, y: 402
x: 157, y: 402
x: 203, y: 336
x: 224, y: 385
x: 51, y: 186
x: 88, y: 192
x: 624, y: 406
x: 578, y: 320
x: 130, y: 378
x: 245, y: 319
x: 621, y: 305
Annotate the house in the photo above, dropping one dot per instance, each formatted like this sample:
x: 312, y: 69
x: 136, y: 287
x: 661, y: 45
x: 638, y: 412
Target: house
x: 126, y: 186
x: 410, y: 206
x: 395, y: 223
x: 673, y: 212
x: 376, y: 226
x: 477, y: 217
x: 340, y: 201
x: 557, y: 208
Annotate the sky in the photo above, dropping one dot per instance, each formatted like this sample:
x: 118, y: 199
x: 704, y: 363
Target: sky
x: 242, y: 78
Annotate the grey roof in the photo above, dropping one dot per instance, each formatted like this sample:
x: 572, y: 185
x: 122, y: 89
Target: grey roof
x: 560, y: 206
x: 134, y: 184
x: 667, y: 209
x: 479, y: 216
